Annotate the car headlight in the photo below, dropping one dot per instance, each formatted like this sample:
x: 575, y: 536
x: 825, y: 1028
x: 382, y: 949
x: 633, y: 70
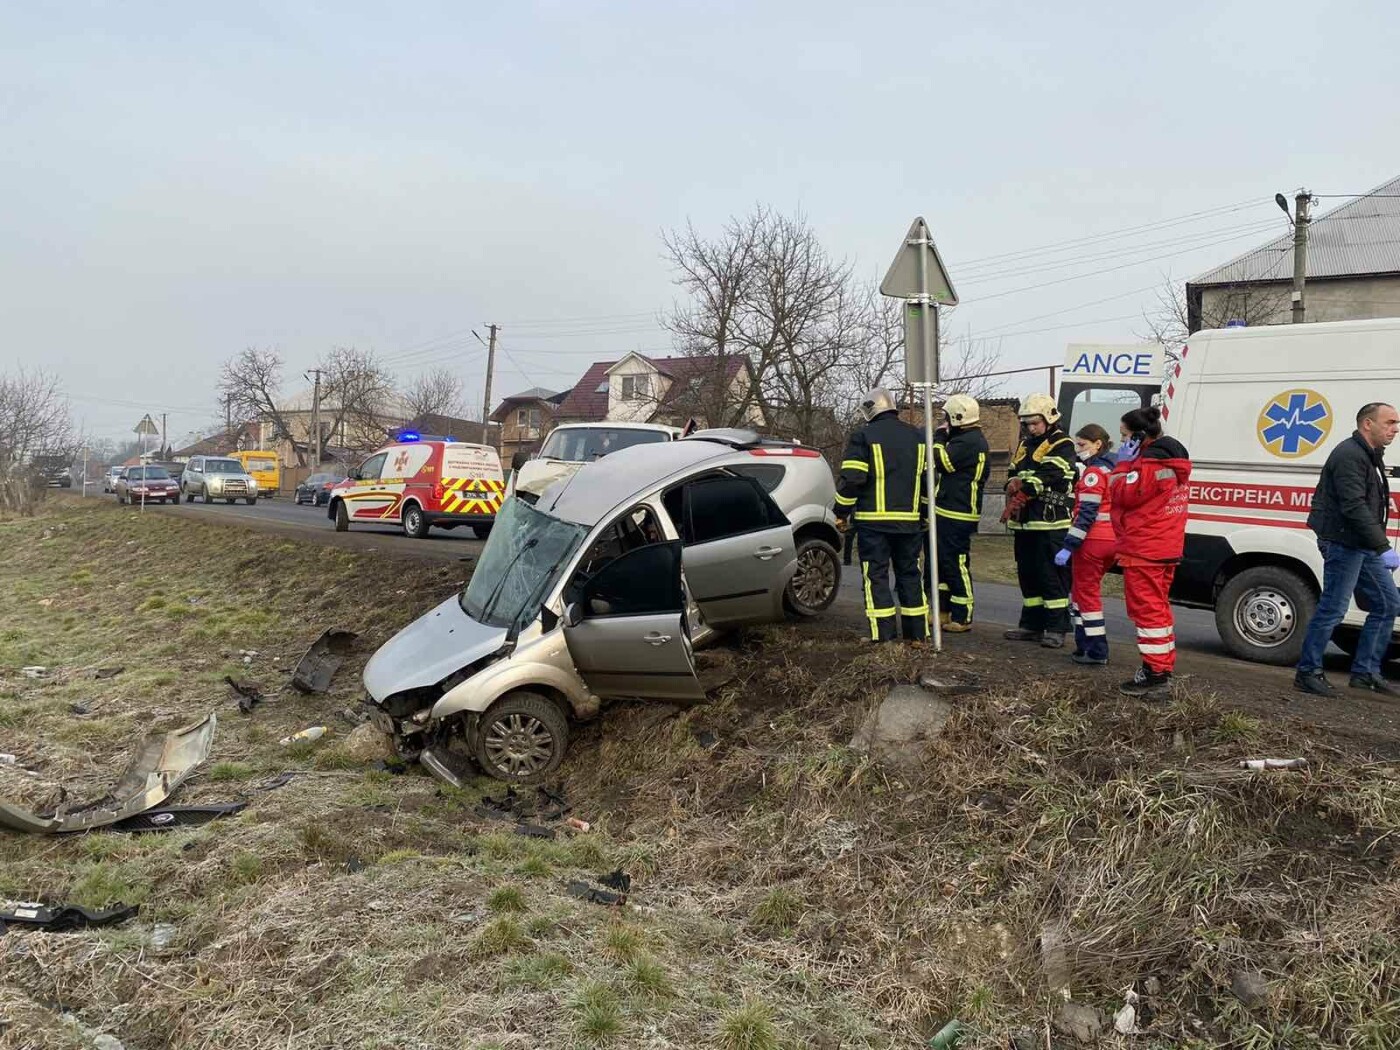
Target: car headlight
x: 252, y: 484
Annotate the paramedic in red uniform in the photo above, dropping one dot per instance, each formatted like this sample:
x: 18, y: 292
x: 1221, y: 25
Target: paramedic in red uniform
x: 1149, y: 494
x: 1350, y: 511
x: 1090, y: 543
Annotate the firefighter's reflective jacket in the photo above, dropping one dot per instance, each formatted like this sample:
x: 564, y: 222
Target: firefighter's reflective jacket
x: 1045, y: 467
x: 882, y: 476
x: 960, y: 458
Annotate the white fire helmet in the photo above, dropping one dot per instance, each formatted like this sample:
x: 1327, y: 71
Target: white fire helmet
x: 963, y: 411
x: 1042, y: 405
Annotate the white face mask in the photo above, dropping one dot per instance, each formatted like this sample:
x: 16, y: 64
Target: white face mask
x: 1084, y: 457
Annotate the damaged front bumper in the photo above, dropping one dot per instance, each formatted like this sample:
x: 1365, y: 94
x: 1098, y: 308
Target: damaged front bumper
x: 161, y: 765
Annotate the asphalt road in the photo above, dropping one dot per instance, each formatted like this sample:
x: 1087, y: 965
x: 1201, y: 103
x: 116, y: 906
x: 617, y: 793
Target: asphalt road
x: 283, y: 516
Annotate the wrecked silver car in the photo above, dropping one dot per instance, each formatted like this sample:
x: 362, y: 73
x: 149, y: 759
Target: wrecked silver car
x: 601, y: 590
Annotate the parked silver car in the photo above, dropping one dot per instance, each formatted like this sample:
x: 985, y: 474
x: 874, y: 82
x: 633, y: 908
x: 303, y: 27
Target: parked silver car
x: 218, y: 477
x: 600, y: 590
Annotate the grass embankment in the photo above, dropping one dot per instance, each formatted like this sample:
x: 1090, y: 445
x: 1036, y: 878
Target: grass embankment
x: 786, y: 892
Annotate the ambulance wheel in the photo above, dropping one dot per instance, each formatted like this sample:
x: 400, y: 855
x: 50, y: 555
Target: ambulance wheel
x: 482, y: 531
x: 415, y: 522
x: 342, y: 517
x: 522, y: 738
x: 1262, y: 614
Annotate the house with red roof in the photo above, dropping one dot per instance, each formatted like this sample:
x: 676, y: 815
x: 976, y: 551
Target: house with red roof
x: 714, y: 390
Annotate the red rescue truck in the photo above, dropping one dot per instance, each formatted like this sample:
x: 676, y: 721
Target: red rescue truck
x: 421, y: 483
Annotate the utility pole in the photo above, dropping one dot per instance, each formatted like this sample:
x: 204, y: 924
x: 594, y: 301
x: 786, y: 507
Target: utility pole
x: 163, y: 443
x: 315, y: 418
x: 490, y: 368
x: 1301, y: 220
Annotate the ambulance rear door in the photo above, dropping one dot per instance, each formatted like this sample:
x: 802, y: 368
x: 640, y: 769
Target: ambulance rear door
x: 472, y: 479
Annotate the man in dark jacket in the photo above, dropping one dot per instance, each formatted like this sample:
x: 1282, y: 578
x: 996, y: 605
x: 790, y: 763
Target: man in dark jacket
x: 1350, y: 512
x: 882, y: 486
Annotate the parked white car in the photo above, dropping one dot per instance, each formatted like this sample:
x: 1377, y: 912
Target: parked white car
x: 571, y: 445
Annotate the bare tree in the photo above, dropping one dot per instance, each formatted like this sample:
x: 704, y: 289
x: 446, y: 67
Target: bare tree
x: 35, y: 429
x: 358, y: 398
x: 250, y: 386
x: 434, y: 393
x: 717, y: 276
x: 1169, y: 321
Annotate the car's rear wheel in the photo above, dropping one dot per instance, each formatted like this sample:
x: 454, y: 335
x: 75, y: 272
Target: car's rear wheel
x: 342, y: 517
x: 482, y: 531
x: 1262, y: 614
x: 415, y: 522
x: 522, y: 738
x: 815, y: 582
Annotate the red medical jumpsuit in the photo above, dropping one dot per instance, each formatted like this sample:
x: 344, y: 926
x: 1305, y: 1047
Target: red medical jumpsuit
x: 1090, y: 537
x: 1150, y: 496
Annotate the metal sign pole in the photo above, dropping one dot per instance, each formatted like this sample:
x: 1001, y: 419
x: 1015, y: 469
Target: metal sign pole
x: 929, y: 312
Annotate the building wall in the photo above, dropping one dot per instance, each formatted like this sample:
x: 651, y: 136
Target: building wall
x: 1327, y: 299
x: 641, y: 409
x: 516, y: 438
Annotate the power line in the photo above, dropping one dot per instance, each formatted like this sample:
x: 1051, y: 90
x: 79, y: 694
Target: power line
x: 1116, y: 234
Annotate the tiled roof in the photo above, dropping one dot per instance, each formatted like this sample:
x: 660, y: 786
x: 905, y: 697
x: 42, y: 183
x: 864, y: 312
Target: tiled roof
x: 1360, y: 237
x: 588, y: 401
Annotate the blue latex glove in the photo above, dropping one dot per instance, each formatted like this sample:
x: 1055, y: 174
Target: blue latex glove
x: 1126, y: 451
x: 1062, y: 556
x: 1391, y: 560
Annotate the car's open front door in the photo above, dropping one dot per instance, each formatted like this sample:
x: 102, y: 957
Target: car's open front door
x: 625, y: 627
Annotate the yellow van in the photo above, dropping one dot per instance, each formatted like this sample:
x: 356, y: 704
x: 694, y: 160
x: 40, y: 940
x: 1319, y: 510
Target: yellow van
x: 263, y: 468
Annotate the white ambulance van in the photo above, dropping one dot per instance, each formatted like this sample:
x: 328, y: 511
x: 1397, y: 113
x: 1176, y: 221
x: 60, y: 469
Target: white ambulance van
x: 1259, y: 409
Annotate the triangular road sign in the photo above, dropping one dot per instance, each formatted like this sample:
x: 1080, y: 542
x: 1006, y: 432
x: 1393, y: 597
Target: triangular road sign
x: 902, y: 282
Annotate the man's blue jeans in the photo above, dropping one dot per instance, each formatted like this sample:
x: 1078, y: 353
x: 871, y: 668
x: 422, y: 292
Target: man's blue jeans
x: 1347, y: 571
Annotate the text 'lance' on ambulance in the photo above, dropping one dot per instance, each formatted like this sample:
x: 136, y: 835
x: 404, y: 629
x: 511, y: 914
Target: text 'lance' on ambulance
x: 1141, y: 361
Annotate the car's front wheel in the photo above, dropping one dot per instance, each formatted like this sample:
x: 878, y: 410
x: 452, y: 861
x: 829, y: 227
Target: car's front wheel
x: 816, y: 580
x: 342, y: 517
x: 250, y: 500
x: 522, y: 738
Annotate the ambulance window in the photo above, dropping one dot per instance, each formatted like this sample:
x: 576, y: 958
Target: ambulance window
x: 371, y: 468
x: 1102, y: 405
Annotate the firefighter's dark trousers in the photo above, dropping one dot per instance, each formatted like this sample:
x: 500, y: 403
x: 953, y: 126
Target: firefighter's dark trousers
x: 954, y: 568
x: 1044, y: 585
x: 878, y: 552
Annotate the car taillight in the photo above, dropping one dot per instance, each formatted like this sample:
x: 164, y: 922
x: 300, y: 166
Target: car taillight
x: 803, y: 453
x: 329, y: 485
x: 439, y: 491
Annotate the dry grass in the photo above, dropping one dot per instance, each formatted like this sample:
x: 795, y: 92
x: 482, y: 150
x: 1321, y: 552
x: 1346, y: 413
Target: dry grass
x: 788, y: 893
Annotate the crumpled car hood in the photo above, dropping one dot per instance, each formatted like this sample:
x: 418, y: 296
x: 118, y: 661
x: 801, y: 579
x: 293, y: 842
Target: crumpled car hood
x: 539, y: 474
x: 429, y: 649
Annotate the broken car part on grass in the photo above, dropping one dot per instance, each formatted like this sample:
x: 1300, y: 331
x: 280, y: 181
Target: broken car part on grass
x: 160, y: 765
x: 249, y: 695
x: 173, y: 818
x: 315, y: 670
x: 58, y: 918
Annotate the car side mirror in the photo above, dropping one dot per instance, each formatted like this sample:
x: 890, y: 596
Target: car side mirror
x: 573, y: 614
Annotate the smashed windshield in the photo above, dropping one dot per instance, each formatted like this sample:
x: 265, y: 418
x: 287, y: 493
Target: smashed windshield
x: 527, y: 551
x: 584, y: 444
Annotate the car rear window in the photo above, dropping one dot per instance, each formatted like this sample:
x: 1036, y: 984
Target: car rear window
x: 149, y: 473
x: 262, y: 464
x: 582, y: 444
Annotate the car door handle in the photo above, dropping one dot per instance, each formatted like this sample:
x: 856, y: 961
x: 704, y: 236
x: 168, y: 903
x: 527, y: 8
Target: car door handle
x: 657, y: 638
x: 764, y: 553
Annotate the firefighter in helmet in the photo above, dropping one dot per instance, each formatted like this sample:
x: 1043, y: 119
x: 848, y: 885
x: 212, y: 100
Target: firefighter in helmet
x: 960, y: 463
x: 1039, y: 495
x: 882, y: 488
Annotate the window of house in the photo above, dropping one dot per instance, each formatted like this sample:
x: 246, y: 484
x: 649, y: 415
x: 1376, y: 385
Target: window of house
x: 528, y: 418
x: 635, y: 388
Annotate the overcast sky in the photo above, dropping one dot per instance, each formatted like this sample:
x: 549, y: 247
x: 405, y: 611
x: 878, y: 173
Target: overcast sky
x: 183, y: 180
